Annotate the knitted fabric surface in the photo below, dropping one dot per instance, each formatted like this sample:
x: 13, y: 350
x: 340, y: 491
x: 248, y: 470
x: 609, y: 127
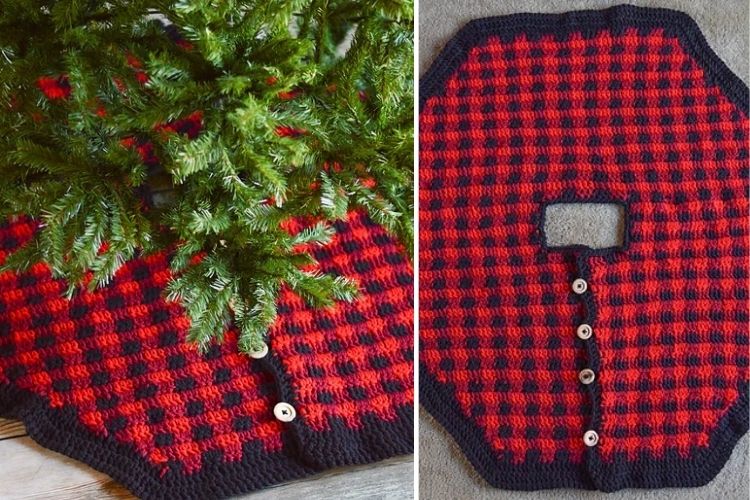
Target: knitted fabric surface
x: 572, y: 367
x: 108, y: 378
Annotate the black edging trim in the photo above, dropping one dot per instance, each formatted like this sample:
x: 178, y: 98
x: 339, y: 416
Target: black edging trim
x: 588, y: 23
x: 305, y: 451
x: 645, y: 472
x: 439, y: 401
x: 60, y: 430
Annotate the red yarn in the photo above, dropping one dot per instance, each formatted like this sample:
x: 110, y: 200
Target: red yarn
x: 285, y: 131
x: 54, y: 88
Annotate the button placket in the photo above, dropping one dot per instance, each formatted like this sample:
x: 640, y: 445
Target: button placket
x: 282, y: 411
x: 584, y: 331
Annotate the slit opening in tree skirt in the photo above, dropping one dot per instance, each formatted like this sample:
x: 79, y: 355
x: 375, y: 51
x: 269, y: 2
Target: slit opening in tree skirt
x: 584, y: 224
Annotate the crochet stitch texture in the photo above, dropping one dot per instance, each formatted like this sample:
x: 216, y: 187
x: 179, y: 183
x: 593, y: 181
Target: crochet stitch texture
x: 626, y: 105
x: 108, y: 378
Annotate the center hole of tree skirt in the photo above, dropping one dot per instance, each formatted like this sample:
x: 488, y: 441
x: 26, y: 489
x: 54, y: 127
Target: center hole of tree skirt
x: 594, y: 225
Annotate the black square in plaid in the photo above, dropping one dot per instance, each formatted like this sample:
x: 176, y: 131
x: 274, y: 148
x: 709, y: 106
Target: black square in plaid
x: 627, y: 105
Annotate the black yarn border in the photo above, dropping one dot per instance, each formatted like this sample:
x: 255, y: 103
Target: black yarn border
x: 60, y: 430
x: 438, y: 400
x: 589, y: 23
x: 672, y: 471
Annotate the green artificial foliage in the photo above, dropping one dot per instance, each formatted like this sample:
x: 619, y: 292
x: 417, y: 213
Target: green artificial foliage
x: 304, y: 110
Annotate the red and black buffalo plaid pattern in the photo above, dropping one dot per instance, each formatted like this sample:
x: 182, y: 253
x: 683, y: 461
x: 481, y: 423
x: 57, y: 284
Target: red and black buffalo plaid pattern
x: 109, y: 379
x: 628, y: 106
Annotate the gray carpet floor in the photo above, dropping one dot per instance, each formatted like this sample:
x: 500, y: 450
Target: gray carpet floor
x: 444, y: 472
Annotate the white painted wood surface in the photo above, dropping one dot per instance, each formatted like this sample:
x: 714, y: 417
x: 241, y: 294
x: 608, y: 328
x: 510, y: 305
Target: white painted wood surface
x: 28, y: 471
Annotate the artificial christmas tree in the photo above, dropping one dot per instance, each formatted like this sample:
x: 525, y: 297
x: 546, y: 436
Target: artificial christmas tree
x: 210, y: 130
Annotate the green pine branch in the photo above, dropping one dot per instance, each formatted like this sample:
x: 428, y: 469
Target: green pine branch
x: 307, y: 113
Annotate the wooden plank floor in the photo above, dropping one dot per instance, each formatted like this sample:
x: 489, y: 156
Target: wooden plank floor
x: 29, y: 471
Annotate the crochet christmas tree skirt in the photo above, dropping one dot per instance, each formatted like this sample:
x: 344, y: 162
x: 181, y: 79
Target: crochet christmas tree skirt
x: 107, y: 378
x: 614, y: 368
